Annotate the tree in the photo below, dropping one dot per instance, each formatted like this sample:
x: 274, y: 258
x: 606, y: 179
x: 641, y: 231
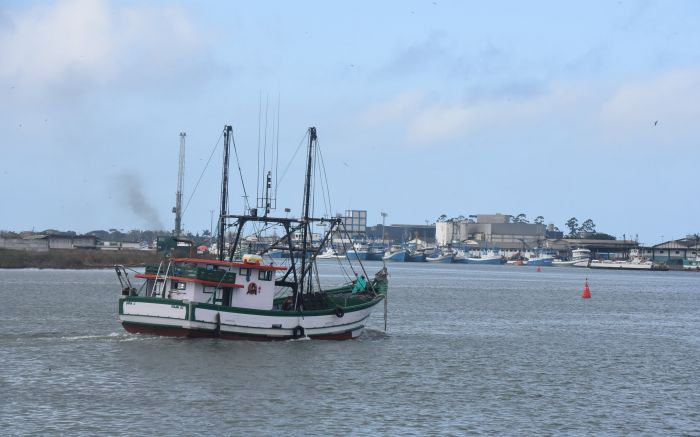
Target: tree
x: 601, y: 236
x: 539, y: 220
x: 572, y: 224
x: 587, y: 226
x: 442, y: 218
x: 520, y: 218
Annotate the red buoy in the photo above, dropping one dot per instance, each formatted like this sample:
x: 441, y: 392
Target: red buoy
x: 586, y: 290
x: 538, y: 269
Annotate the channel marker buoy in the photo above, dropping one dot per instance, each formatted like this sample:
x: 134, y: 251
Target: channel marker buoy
x: 586, y: 290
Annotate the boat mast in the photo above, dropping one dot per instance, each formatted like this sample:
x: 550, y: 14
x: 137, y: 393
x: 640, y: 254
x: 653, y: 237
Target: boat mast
x: 306, y: 206
x: 180, y: 184
x: 224, y: 193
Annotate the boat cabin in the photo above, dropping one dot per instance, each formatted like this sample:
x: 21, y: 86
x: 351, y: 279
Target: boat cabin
x: 246, y: 284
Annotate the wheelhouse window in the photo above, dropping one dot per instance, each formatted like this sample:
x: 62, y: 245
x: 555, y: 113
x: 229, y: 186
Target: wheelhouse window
x: 244, y: 272
x: 265, y: 275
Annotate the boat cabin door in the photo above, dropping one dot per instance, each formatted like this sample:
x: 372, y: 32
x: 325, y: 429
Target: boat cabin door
x: 223, y: 296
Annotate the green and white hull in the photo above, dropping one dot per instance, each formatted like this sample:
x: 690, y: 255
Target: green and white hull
x: 181, y: 318
x: 241, y: 300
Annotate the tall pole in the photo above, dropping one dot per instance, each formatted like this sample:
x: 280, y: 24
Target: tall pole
x: 383, y: 219
x: 224, y: 193
x: 306, y: 206
x: 211, y: 226
x: 180, y: 184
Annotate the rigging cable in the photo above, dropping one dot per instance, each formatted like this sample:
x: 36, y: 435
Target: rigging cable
x: 202, y: 174
x: 301, y: 142
x: 277, y: 151
x: 325, y: 178
x: 240, y: 172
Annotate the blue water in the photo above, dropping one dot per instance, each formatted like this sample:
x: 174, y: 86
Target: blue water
x: 470, y: 350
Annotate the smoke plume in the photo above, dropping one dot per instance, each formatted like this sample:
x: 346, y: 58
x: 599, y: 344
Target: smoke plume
x: 129, y: 184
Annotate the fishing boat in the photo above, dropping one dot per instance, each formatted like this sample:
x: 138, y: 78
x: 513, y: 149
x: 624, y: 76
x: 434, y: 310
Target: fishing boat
x: 396, y: 254
x: 358, y: 252
x: 692, y: 264
x: 415, y: 256
x: 247, y: 298
x: 579, y: 258
x: 330, y: 253
x: 375, y: 251
x: 485, y: 258
x: 441, y: 257
x: 633, y: 264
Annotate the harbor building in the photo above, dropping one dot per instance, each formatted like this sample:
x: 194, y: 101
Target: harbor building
x: 46, y: 242
x: 355, y: 222
x: 496, y: 231
x: 672, y: 251
x: 600, y: 249
x: 402, y: 233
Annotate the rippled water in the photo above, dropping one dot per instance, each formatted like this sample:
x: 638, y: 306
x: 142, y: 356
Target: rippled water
x: 469, y: 350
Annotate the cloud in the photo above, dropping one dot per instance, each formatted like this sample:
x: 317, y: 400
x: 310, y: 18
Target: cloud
x: 630, y: 114
x: 397, y: 108
x: 432, y: 53
x: 81, y: 43
x: 600, y: 115
x: 427, y: 120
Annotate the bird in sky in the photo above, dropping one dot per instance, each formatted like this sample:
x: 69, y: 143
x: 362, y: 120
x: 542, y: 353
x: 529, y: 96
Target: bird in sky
x: 656, y: 122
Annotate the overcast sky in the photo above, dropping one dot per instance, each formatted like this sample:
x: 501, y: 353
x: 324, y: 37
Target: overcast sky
x: 423, y: 108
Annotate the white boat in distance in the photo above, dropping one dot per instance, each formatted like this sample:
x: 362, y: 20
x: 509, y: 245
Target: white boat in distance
x: 579, y: 258
x: 330, y: 253
x: 633, y: 264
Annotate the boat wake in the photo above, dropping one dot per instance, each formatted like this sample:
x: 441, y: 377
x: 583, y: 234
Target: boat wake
x: 59, y: 336
x: 300, y: 339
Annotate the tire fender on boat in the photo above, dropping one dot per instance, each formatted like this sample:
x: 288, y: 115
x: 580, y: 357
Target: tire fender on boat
x: 298, y: 332
x: 339, y: 312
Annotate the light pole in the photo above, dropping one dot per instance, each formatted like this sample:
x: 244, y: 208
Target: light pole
x: 425, y: 233
x: 383, y: 219
x: 211, y: 226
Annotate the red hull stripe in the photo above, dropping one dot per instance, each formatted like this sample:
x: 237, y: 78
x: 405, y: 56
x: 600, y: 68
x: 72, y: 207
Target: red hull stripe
x: 198, y: 281
x: 173, y: 331
x: 229, y: 264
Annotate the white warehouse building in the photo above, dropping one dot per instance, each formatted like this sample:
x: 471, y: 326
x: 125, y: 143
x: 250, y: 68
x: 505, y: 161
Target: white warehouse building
x: 490, y: 230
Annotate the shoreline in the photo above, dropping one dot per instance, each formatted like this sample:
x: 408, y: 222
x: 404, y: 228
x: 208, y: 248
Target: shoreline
x: 75, y: 259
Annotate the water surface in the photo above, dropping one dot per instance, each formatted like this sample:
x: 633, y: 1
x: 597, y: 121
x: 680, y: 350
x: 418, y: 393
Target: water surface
x: 469, y: 350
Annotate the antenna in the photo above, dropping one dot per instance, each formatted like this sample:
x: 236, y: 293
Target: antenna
x: 180, y: 184
x: 268, y: 188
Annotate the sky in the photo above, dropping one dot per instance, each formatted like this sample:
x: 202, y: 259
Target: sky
x: 422, y: 108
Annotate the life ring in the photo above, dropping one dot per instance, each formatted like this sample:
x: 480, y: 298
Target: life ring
x: 339, y: 312
x: 298, y: 332
x: 252, y: 288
